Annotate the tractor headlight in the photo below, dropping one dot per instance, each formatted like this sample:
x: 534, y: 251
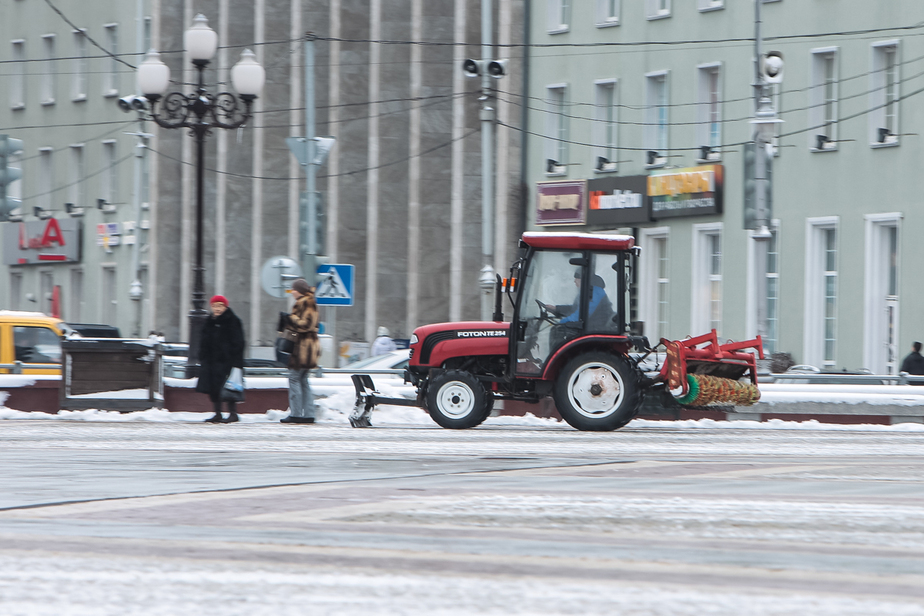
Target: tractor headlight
x: 414, y: 339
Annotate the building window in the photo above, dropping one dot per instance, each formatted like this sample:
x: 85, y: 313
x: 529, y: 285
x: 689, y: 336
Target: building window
x: 559, y: 15
x: 607, y: 13
x: 79, y: 77
x: 656, y: 118
x: 605, y: 126
x: 881, y: 347
x: 15, y: 291
x: 772, y: 335
x: 706, y: 309
x: 709, y: 112
x: 823, y: 100
x: 110, y: 303
x: 46, y: 178
x: 654, y: 282
x: 884, y: 94
x: 18, y: 76
x: 710, y: 5
x: 821, y: 271
x: 658, y: 9
x: 109, y: 178
x: 111, y: 77
x: 76, y: 190
x: 76, y: 303
x: 556, y: 130
x: 48, y: 70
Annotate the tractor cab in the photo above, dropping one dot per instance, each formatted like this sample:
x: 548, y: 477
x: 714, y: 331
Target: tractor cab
x: 565, y: 293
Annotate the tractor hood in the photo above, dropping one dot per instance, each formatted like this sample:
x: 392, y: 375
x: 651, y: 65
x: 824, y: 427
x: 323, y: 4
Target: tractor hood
x: 436, y: 343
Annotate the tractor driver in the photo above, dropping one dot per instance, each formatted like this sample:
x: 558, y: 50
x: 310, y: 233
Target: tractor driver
x: 600, y: 310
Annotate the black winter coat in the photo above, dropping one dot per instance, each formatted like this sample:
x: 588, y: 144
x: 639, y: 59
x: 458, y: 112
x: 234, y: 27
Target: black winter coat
x: 221, y: 348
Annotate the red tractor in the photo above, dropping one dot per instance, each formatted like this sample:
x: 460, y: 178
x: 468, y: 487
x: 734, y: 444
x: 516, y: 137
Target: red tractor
x: 569, y: 339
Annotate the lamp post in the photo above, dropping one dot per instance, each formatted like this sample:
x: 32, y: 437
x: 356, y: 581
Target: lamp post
x: 200, y: 111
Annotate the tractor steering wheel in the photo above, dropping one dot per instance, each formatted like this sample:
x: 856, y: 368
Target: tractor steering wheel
x: 547, y: 315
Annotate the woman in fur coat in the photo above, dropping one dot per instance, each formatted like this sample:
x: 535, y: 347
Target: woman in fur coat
x: 304, y: 322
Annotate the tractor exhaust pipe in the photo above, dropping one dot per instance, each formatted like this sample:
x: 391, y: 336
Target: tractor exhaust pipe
x: 498, y: 300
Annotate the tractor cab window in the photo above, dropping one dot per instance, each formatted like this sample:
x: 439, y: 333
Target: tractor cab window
x: 549, y: 308
x: 603, y: 301
x: 36, y: 345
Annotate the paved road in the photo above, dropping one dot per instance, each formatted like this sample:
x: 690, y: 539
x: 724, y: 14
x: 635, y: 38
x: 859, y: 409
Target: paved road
x: 259, y: 518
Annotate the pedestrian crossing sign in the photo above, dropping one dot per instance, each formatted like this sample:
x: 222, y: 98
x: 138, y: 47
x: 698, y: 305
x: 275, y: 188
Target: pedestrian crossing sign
x: 335, y: 286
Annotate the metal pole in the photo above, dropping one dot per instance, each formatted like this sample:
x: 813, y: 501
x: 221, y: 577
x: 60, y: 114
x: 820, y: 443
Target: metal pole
x: 763, y: 110
x: 309, y: 220
x: 136, y: 291
x: 487, y: 115
x: 198, y: 314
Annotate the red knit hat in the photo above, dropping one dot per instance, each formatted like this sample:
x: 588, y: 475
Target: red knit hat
x: 218, y: 299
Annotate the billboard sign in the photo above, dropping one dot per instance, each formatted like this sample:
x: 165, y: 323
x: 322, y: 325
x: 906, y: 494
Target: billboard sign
x: 618, y: 200
x: 692, y: 191
x: 41, y: 241
x: 561, y: 203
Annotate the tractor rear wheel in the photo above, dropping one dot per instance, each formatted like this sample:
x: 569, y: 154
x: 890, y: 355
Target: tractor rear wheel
x: 598, y: 392
x: 457, y: 400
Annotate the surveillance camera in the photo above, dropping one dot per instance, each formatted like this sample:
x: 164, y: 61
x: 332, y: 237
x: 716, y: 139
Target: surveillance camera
x: 132, y: 102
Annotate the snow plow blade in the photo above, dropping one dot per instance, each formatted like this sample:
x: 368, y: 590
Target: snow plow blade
x: 366, y: 399
x: 709, y: 373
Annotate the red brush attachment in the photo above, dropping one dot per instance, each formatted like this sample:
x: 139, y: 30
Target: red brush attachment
x: 722, y: 360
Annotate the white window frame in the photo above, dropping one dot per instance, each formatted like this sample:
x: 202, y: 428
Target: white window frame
x: 751, y: 322
x: 608, y: 12
x: 885, y: 93
x: 710, y: 5
x: 17, y: 78
x: 704, y: 278
x: 49, y: 70
x: 111, y: 77
x: 876, y: 289
x: 657, y: 9
x: 76, y: 188
x: 652, y: 288
x: 46, y: 177
x: 709, y: 109
x: 109, y: 180
x: 813, y: 351
x: 79, y: 77
x: 824, y: 98
x: 559, y: 16
x: 657, y: 115
x: 16, y: 291
x: 557, y: 127
x: 606, y: 125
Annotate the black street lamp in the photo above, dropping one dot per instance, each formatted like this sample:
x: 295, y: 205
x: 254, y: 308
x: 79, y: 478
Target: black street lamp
x: 200, y: 111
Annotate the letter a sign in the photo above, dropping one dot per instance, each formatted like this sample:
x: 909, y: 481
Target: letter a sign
x: 336, y: 285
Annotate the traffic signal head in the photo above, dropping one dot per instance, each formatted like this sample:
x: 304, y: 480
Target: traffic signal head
x: 9, y: 146
x: 771, y: 67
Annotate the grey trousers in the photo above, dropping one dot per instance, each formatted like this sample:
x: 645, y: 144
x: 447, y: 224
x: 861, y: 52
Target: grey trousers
x: 301, y: 400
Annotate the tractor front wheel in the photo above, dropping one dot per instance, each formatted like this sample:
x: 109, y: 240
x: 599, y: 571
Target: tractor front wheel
x: 457, y: 400
x: 598, y: 392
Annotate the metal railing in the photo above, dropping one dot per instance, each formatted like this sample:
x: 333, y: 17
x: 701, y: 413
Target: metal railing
x: 834, y: 378
x: 17, y: 367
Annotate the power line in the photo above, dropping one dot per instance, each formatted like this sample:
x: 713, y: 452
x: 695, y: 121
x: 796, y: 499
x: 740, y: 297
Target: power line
x: 85, y: 35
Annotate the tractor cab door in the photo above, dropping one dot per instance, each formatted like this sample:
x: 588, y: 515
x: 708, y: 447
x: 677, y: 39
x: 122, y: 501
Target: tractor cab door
x: 549, y: 308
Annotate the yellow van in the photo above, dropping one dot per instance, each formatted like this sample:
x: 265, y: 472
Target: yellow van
x: 30, y: 338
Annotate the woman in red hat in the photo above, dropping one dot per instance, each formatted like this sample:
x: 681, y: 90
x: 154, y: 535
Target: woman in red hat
x: 221, y: 347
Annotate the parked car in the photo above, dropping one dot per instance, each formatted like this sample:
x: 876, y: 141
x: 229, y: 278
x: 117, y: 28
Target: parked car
x: 91, y: 330
x: 30, y: 338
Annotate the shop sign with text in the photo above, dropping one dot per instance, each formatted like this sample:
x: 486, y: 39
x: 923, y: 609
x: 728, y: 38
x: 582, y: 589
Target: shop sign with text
x: 561, y: 203
x: 692, y: 191
x: 618, y: 200
x: 41, y: 241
